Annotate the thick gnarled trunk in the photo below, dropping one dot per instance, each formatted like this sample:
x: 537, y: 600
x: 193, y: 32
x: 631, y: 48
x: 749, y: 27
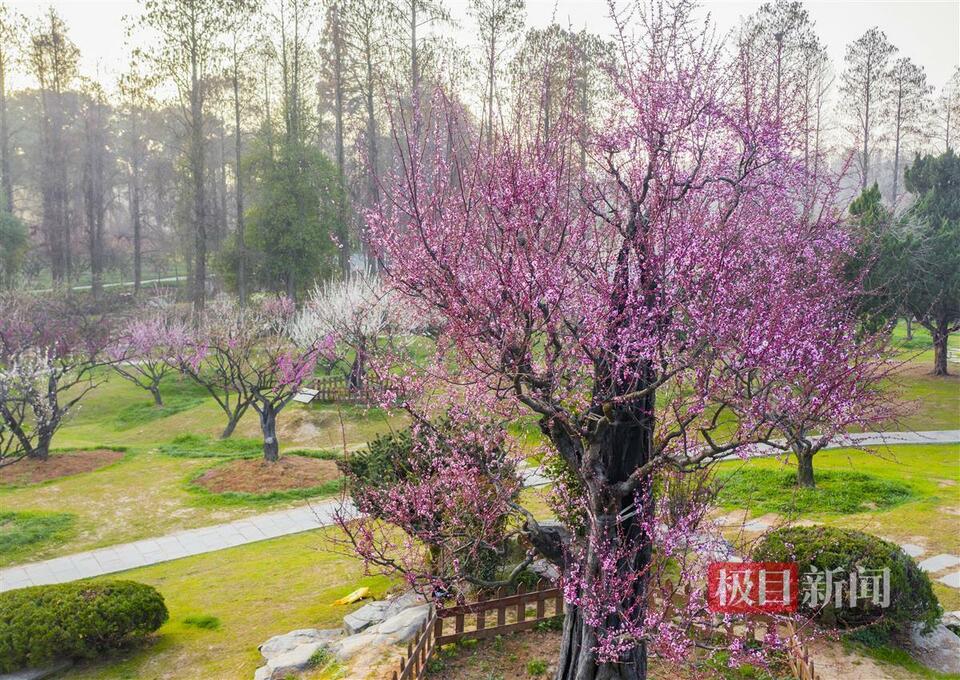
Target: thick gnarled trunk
x: 577, y: 660
x: 805, y: 478
x: 616, y: 522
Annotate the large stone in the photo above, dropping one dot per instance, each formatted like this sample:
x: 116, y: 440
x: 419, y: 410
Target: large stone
x: 546, y: 570
x: 410, y: 598
x: 281, y: 644
x: 378, y: 611
x: 368, y: 615
x: 349, y: 647
x: 939, y: 562
x: 939, y: 650
x: 294, y: 661
x: 403, y: 626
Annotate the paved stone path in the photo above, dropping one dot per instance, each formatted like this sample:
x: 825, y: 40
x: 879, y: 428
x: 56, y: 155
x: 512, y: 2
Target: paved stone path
x: 283, y: 523
x: 170, y: 547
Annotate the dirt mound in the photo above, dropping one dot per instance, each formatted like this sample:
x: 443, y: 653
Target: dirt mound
x: 255, y: 475
x: 60, y: 464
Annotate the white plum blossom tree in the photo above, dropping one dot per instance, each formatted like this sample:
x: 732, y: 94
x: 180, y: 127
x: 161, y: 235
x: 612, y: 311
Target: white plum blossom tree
x: 357, y: 312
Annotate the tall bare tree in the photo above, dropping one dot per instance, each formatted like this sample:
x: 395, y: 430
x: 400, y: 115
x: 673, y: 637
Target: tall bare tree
x: 134, y: 87
x: 53, y: 60
x: 186, y: 54
x: 95, y: 179
x: 498, y: 22
x: 865, y: 88
x: 948, y: 110
x: 908, y: 104
x: 363, y: 23
x: 410, y: 17
x: 240, y: 49
x: 11, y: 26
x: 337, y: 60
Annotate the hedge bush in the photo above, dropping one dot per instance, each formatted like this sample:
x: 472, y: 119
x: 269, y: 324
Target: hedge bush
x: 74, y: 620
x: 911, y: 594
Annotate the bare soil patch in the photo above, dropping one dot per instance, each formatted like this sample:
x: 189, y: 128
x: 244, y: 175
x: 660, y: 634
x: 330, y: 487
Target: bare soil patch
x: 60, y: 464
x: 257, y: 476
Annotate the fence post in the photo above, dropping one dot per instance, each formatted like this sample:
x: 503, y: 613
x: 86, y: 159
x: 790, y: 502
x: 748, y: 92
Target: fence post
x: 522, y: 604
x: 481, y: 612
x: 541, y: 605
x: 501, y: 610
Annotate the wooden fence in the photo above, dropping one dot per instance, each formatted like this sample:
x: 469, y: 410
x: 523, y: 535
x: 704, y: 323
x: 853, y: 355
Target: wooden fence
x: 334, y: 388
x: 798, y: 657
x: 508, y: 614
x: 470, y: 621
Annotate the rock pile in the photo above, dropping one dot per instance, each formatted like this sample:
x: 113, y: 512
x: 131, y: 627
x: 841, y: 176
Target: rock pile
x: 367, y: 635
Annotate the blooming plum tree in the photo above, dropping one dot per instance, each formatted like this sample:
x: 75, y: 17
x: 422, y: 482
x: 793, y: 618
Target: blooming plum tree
x: 358, y: 311
x: 139, y: 352
x: 244, y: 357
x: 49, y: 352
x: 644, y: 310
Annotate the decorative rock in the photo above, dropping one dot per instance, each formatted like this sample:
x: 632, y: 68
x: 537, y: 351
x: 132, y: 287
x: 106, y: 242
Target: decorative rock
x: 545, y: 569
x: 378, y: 611
x: 281, y: 644
x: 939, y: 562
x: 951, y: 618
x: 940, y: 650
x: 411, y: 598
x: 912, y: 550
x: 403, y: 626
x: 293, y: 661
x: 368, y: 615
x: 952, y: 580
x: 375, y: 627
x: 351, y: 646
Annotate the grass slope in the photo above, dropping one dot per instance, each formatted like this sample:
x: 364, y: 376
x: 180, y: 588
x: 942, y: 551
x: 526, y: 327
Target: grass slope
x: 254, y: 591
x: 930, y: 518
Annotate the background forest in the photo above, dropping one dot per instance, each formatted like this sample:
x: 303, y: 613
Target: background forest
x: 244, y: 140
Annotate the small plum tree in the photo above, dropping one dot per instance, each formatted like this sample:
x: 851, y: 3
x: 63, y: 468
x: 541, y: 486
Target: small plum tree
x: 244, y: 357
x: 49, y: 352
x: 139, y: 353
x: 358, y: 311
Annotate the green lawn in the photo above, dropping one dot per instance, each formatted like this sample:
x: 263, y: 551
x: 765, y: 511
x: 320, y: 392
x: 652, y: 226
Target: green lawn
x: 147, y: 493
x: 932, y: 402
x: 256, y: 591
x: 931, y: 518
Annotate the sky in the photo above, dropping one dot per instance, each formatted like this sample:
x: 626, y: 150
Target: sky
x: 927, y: 31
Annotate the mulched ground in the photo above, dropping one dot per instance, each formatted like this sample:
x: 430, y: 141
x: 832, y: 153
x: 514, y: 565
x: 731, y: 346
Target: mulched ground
x: 510, y: 657
x: 257, y: 476
x: 60, y: 464
x: 506, y: 658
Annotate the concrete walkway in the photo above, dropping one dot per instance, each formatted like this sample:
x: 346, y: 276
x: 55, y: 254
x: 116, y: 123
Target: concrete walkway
x: 170, y: 547
x: 283, y: 523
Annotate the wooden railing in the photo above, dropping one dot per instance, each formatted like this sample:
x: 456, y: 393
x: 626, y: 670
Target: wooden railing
x: 798, y: 657
x: 334, y: 388
x: 470, y: 621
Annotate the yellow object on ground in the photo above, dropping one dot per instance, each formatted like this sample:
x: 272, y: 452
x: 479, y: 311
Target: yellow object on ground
x: 357, y: 594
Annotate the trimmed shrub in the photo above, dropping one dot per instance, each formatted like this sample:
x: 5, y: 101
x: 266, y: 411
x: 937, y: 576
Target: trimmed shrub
x: 828, y: 548
x: 74, y: 620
